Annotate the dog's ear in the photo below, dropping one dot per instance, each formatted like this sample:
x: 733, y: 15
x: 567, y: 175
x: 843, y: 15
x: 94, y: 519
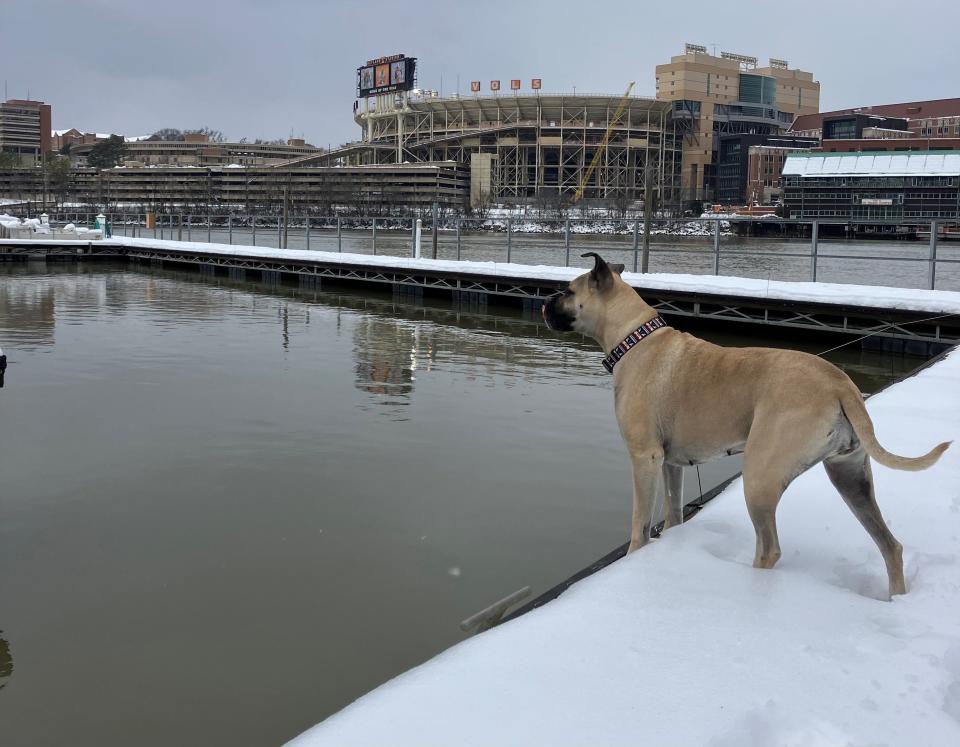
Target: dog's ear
x: 617, y: 268
x: 602, y: 273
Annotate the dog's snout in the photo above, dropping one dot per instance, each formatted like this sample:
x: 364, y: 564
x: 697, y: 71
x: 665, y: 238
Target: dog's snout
x: 554, y: 317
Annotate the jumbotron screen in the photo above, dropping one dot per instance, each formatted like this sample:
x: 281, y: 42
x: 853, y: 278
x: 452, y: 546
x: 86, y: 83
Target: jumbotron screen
x: 385, y: 75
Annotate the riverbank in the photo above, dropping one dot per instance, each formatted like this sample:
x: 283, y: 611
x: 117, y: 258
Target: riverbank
x: 685, y: 643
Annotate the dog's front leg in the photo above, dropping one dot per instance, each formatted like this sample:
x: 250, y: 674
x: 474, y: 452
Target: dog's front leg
x: 647, y: 467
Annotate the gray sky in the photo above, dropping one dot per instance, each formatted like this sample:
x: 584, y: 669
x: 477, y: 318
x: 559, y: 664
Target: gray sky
x: 272, y: 69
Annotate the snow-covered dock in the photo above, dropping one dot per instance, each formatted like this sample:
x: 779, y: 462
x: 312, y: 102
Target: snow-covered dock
x: 847, y: 309
x: 684, y: 643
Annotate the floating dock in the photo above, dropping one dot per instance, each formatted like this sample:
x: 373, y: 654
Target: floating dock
x: 913, y: 320
x: 684, y: 643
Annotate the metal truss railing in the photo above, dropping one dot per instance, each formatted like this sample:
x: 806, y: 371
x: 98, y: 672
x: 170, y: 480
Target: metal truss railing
x: 696, y: 246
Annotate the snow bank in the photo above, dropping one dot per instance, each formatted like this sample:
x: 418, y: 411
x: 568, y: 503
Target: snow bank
x: 882, y: 297
x: 620, y: 227
x: 683, y: 643
x: 30, y: 229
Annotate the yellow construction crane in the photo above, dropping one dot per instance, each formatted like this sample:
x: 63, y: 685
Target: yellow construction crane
x: 578, y: 195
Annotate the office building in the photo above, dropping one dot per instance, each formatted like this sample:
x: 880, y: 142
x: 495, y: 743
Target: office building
x: 728, y: 94
x: 25, y: 130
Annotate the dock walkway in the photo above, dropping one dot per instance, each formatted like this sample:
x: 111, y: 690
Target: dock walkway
x: 822, y: 307
x: 684, y: 643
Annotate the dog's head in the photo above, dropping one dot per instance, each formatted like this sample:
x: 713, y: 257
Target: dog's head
x: 580, y: 307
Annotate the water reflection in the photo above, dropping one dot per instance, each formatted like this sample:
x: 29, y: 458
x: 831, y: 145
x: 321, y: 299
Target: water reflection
x: 6, y: 662
x: 392, y: 339
x: 392, y: 342
x: 386, y: 354
x: 28, y: 312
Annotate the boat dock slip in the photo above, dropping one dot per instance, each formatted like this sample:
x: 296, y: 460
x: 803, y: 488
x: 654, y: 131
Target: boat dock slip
x: 684, y: 643
x: 912, y: 316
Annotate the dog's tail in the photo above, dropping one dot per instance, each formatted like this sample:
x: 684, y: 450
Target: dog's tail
x: 856, y: 413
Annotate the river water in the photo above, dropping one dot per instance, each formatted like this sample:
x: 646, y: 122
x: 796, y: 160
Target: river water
x: 901, y: 263
x: 229, y: 509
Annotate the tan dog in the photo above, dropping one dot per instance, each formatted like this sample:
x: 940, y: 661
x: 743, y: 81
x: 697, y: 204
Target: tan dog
x: 680, y: 400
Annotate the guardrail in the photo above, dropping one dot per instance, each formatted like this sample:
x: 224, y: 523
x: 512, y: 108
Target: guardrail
x: 554, y: 237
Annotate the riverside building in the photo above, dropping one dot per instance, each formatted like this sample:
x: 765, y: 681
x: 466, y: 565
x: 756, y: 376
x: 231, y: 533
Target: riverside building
x: 873, y: 188
x: 713, y: 96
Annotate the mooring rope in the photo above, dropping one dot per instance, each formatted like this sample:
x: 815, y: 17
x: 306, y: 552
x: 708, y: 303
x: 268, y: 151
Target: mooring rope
x: 884, y: 329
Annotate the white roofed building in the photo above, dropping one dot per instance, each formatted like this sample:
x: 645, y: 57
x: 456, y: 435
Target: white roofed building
x: 885, y: 187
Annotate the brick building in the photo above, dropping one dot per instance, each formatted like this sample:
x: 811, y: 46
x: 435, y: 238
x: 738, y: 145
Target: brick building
x: 764, y: 169
x: 25, y: 129
x: 757, y: 158
x: 937, y: 118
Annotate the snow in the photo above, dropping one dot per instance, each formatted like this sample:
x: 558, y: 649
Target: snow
x: 872, y: 296
x: 684, y: 643
x: 530, y: 219
x: 34, y: 227
x: 926, y: 163
x: 621, y: 227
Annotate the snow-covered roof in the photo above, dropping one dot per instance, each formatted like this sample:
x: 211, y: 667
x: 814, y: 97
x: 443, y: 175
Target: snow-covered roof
x: 915, y: 163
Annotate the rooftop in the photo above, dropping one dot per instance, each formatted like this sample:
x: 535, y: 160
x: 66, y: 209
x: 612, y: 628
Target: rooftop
x: 907, y: 110
x: 880, y: 163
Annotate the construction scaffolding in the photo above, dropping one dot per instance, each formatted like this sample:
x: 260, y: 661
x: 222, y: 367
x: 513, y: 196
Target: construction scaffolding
x: 539, y: 147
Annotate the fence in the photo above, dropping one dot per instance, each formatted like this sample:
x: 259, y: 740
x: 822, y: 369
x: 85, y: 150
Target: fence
x: 699, y: 246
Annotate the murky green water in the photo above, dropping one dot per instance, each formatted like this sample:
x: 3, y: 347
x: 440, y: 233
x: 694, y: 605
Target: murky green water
x: 227, y: 510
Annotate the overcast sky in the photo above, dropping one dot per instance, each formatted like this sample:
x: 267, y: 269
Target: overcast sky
x: 272, y: 69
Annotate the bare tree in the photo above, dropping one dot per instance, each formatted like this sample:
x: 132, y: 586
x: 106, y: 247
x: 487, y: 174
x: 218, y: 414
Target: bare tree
x: 58, y: 174
x: 168, y: 133
x: 214, y: 136
x: 619, y: 203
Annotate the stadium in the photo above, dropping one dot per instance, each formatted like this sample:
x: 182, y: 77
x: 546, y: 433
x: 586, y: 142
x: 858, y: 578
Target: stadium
x: 517, y: 147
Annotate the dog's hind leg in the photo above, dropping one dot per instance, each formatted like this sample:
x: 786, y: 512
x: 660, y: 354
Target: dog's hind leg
x: 779, y: 448
x: 852, y: 477
x: 766, y: 473
x: 673, y: 495
x: 762, y: 505
x: 647, y: 466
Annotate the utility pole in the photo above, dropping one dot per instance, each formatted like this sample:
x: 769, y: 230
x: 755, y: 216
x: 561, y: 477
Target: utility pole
x: 286, y: 213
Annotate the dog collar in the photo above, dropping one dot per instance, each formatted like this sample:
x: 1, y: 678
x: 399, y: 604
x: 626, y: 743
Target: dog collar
x: 632, y: 339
